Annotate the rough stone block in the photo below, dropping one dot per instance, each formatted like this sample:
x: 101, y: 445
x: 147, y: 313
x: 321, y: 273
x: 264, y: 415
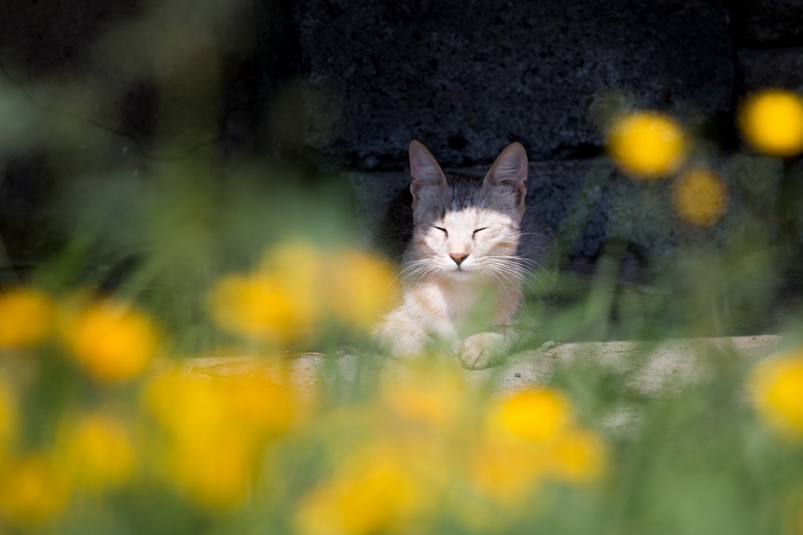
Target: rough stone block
x: 468, y: 78
x: 773, y: 21
x: 770, y: 68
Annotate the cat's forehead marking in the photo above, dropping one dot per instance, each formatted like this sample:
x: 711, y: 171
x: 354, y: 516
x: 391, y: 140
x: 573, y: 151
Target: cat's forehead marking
x: 474, y: 215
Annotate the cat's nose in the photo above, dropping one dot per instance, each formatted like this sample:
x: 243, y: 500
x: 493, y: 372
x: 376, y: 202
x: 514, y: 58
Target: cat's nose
x: 458, y: 258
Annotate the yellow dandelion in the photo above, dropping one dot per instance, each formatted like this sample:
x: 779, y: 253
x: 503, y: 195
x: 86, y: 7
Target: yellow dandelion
x: 361, y: 288
x: 700, y: 197
x: 576, y: 456
x: 213, y: 470
x: 26, y: 317
x: 259, y: 306
x: 112, y: 341
x: 214, y: 429
x: 376, y: 496
x: 776, y: 388
x: 31, y: 491
x: 537, y: 415
x: 505, y: 470
x: 426, y: 394
x: 647, y: 144
x: 186, y: 407
x: 299, y: 268
x: 97, y: 452
x: 772, y: 122
x: 260, y: 405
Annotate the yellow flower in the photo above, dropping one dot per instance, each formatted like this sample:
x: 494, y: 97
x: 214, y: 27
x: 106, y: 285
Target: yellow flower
x: 260, y: 405
x: 215, y: 429
x: 186, y: 406
x: 360, y: 288
x: 195, y: 407
x: 700, y: 197
x: 97, y: 452
x: 537, y: 415
x: 776, y: 388
x: 31, y: 491
x: 576, y: 456
x: 428, y: 395
x: 505, y: 470
x: 647, y: 144
x: 26, y: 317
x: 373, y: 496
x: 260, y: 307
x: 213, y: 470
x: 772, y: 122
x: 112, y: 341
x: 299, y: 268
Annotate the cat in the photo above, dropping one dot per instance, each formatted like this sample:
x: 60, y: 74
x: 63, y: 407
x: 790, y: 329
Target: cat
x: 473, y: 245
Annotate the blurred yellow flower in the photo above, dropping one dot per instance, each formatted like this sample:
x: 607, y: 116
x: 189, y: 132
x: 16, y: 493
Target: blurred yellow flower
x: 700, y: 197
x: 776, y: 388
x: 647, y: 144
x: 360, y: 288
x: 31, y: 491
x: 215, y: 429
x: 96, y: 452
x: 259, y: 306
x: 425, y: 394
x: 213, y: 470
x: 373, y: 496
x: 576, y: 456
x: 111, y: 340
x: 772, y: 122
x: 26, y: 317
x: 537, y: 415
x: 299, y: 269
x: 195, y: 407
x: 185, y: 405
x: 505, y: 470
x: 260, y: 405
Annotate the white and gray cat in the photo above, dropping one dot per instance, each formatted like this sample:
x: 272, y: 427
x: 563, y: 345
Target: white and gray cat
x: 473, y: 246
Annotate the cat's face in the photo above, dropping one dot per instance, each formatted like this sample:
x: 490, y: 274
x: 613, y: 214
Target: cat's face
x: 470, y: 240
x: 466, y: 226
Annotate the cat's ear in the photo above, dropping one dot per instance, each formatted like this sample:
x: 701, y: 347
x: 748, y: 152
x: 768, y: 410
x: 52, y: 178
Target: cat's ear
x: 424, y: 169
x: 510, y: 170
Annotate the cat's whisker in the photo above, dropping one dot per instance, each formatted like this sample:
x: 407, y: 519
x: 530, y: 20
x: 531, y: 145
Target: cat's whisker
x: 486, y: 271
x: 533, y: 234
x: 529, y: 262
x: 412, y: 267
x: 504, y: 266
x: 416, y: 275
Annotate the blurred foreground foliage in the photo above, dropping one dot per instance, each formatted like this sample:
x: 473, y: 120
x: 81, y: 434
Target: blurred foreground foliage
x: 177, y: 254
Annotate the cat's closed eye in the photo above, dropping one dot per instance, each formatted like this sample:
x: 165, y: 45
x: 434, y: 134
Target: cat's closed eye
x: 479, y: 229
x: 443, y: 230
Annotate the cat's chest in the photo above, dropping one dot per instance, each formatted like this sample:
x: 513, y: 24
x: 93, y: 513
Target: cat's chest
x: 455, y: 302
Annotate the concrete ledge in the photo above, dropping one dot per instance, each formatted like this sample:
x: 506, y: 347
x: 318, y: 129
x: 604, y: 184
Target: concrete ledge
x: 653, y: 367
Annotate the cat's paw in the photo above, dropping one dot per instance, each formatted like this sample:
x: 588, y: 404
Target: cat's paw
x: 402, y: 339
x: 481, y: 350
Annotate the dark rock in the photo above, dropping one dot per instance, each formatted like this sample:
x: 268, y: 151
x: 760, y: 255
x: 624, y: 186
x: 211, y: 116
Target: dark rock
x: 759, y: 69
x: 468, y: 78
x: 773, y: 21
